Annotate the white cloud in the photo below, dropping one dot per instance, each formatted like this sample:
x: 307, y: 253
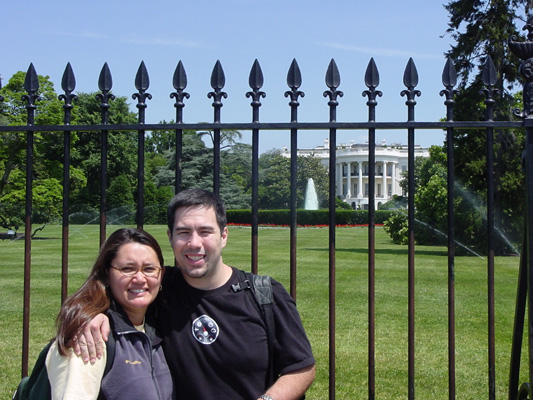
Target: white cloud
x: 162, y: 41
x: 374, y: 51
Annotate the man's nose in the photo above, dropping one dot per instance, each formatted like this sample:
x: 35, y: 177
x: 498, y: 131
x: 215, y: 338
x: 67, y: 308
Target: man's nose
x: 194, y: 240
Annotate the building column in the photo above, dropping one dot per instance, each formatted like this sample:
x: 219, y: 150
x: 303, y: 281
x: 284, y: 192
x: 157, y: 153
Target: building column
x: 349, y: 180
x: 393, y: 183
x: 360, y: 176
x: 339, y: 179
x: 385, y: 191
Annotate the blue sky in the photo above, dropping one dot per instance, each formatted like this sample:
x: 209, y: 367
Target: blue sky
x: 123, y: 33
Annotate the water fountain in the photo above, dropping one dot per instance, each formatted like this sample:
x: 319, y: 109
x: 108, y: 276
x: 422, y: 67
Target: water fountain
x: 311, y: 199
x: 476, y: 203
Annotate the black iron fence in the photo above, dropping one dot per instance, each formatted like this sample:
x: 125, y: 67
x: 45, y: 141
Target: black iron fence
x: 523, y: 50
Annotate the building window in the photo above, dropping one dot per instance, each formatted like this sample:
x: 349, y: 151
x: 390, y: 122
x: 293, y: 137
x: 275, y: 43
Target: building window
x: 379, y: 190
x: 366, y: 189
x: 390, y: 190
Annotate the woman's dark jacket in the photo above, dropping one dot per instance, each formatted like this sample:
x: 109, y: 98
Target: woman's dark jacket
x: 139, y: 369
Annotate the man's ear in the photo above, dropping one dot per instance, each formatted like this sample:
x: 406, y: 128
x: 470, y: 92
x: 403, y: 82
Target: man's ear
x: 224, y: 236
x: 169, y: 234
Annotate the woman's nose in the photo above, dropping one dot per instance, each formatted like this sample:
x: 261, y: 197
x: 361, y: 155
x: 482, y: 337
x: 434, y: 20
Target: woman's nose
x: 139, y: 276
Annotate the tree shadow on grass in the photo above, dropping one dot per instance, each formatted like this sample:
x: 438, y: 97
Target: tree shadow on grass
x: 395, y: 252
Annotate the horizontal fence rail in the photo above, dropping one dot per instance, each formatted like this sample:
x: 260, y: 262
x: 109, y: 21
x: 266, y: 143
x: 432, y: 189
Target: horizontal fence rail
x: 141, y: 128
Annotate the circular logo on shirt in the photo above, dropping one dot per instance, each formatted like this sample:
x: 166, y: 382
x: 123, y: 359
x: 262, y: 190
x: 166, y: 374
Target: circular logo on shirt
x: 205, y: 329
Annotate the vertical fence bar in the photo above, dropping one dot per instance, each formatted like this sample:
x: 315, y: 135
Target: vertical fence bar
x: 519, y: 319
x: 294, y: 81
x: 449, y: 80
x: 333, y: 81
x: 524, y: 50
x: 31, y: 86
x: 371, y: 82
x: 105, y: 83
x: 218, y: 81
x: 68, y: 84
x: 179, y: 81
x: 410, y: 80
x: 529, y: 237
x: 142, y: 82
x: 489, y: 80
x: 256, y: 82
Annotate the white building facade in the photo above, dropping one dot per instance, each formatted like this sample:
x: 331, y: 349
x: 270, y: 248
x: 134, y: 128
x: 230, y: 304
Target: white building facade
x: 352, y: 169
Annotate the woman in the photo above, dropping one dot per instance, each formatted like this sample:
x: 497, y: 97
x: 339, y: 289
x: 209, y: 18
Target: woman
x: 124, y: 281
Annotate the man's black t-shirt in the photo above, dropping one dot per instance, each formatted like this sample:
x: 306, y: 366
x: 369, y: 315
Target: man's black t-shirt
x: 215, y: 341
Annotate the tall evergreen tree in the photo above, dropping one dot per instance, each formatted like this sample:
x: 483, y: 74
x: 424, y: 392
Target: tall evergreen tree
x: 481, y: 29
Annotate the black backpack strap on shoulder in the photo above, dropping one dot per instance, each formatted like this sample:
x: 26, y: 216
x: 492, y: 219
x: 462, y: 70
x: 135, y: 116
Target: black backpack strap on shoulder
x: 263, y: 293
x: 261, y: 288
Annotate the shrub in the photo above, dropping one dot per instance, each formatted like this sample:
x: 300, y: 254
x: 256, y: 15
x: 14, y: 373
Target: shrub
x: 396, y: 227
x: 306, y: 217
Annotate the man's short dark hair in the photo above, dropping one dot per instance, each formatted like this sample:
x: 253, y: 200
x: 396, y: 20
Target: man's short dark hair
x: 197, y: 197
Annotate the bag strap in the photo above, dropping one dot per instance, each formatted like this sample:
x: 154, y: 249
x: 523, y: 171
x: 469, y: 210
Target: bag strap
x: 110, y: 357
x: 261, y: 288
x: 110, y: 350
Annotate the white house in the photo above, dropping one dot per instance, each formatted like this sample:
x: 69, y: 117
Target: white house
x: 352, y: 170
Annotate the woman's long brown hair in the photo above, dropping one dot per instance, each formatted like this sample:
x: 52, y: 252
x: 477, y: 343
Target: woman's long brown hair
x: 93, y: 297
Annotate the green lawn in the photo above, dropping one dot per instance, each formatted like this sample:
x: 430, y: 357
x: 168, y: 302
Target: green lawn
x: 351, y: 339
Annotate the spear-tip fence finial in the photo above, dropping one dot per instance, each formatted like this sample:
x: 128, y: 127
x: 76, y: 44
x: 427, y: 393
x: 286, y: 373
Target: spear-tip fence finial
x: 333, y: 81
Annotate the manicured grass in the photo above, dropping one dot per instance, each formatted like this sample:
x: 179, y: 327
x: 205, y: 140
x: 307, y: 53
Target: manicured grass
x: 351, y: 307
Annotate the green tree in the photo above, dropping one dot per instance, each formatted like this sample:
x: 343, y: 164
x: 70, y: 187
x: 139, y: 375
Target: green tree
x: 120, y: 192
x: 160, y: 141
x: 46, y: 205
x: 481, y: 28
x: 46, y: 171
x: 228, y: 137
x: 122, y: 146
x: 274, y: 185
x: 197, y: 167
x: 431, y: 212
x: 274, y: 180
x: 155, y: 203
x: 13, y: 112
x: 237, y: 165
x: 196, y: 163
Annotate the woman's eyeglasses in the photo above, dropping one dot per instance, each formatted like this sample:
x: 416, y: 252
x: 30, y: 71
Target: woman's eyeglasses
x: 147, y: 270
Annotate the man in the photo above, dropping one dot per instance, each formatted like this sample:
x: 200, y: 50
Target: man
x: 214, y: 337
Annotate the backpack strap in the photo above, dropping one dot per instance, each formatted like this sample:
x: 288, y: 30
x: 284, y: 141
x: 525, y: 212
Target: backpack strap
x: 110, y: 350
x: 110, y: 357
x: 261, y: 288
